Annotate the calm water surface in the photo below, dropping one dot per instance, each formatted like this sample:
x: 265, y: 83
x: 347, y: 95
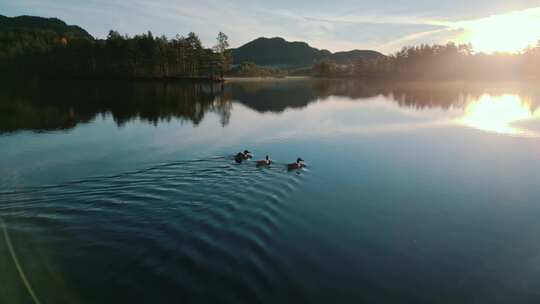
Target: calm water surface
x: 127, y: 193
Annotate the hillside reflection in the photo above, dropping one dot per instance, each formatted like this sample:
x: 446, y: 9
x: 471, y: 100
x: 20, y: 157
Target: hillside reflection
x: 63, y: 105
x: 46, y: 106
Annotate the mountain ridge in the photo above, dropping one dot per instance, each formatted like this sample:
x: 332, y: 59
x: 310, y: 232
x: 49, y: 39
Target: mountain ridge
x: 277, y: 51
x: 43, y: 24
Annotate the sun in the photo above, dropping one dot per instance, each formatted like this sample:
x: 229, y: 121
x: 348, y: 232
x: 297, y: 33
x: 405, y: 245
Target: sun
x: 511, y: 32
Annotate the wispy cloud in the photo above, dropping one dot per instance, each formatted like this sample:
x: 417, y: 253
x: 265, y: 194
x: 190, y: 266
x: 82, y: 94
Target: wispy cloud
x: 370, y: 24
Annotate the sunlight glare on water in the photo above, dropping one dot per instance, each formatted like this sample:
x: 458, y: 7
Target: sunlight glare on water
x: 498, y: 114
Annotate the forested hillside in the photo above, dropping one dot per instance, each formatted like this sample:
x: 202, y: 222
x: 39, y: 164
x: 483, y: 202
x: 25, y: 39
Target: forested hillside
x: 279, y: 52
x: 34, y: 46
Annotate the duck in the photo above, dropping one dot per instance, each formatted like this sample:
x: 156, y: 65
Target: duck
x: 264, y: 162
x: 297, y: 165
x: 247, y: 155
x: 241, y: 156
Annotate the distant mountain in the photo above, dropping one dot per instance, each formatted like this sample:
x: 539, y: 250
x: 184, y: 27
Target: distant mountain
x: 279, y: 52
x: 276, y: 51
x: 346, y: 57
x: 42, y: 24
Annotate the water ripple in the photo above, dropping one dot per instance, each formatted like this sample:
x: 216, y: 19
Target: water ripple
x: 187, y: 223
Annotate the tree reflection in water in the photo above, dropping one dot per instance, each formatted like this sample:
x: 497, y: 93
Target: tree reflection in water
x: 60, y: 105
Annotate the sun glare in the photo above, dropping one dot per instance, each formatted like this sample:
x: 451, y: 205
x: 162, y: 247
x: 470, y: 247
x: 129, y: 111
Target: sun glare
x: 512, y: 32
x: 497, y: 114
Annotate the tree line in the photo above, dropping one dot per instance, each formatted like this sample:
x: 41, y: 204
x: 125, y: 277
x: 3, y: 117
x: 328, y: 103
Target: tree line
x: 47, y: 54
x: 250, y: 69
x: 449, y: 61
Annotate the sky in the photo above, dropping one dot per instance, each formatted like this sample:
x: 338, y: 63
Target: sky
x: 385, y: 26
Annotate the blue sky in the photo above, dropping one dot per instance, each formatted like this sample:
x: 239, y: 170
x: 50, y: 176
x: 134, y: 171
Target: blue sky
x: 381, y: 25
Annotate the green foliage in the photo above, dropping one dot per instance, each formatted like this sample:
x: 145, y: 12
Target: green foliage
x: 43, y: 24
x: 324, y: 68
x: 443, y: 62
x: 223, y: 53
x: 250, y: 69
x: 33, y: 51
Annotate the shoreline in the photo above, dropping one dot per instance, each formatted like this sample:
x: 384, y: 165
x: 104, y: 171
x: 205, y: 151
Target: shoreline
x: 262, y: 79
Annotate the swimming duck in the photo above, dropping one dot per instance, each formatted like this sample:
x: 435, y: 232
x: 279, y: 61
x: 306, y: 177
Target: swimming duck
x: 242, y: 156
x: 264, y: 162
x: 297, y: 165
x: 247, y: 155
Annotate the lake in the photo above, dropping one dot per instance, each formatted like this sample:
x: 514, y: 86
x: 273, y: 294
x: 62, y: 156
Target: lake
x: 119, y: 192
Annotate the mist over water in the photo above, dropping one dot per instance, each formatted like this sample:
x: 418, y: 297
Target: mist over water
x: 124, y: 192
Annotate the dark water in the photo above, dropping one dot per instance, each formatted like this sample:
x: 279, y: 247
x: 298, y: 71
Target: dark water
x: 127, y: 193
